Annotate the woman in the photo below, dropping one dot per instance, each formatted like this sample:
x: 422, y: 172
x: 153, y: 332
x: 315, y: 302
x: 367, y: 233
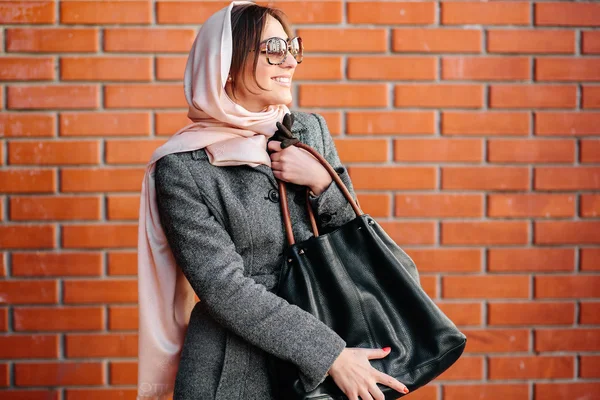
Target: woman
x: 210, y: 216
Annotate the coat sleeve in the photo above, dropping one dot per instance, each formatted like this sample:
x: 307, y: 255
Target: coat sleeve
x: 331, y: 207
x: 207, y: 256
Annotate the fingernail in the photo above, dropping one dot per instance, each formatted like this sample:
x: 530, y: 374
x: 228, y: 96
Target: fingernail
x: 405, y: 390
x: 386, y: 349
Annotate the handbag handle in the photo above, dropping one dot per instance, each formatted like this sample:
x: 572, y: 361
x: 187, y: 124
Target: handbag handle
x: 287, y: 220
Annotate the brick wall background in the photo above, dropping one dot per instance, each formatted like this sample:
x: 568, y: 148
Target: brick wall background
x: 471, y: 130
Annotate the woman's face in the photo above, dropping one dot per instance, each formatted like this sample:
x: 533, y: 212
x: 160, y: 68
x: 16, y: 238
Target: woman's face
x: 275, y: 79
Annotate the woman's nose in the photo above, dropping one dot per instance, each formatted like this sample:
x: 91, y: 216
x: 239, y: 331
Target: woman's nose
x: 289, y: 62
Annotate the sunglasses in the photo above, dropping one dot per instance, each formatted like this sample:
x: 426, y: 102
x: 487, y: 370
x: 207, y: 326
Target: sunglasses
x: 277, y: 48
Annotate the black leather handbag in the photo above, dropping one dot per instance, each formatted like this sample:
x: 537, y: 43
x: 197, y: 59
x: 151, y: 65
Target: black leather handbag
x: 361, y: 284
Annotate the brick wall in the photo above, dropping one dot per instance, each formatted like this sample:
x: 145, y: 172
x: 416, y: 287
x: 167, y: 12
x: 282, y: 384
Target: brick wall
x: 471, y: 130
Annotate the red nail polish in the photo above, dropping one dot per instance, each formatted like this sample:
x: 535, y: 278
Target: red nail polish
x: 386, y: 349
x: 405, y: 390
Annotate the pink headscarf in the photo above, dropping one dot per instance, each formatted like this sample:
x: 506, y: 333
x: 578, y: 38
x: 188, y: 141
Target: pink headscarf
x: 231, y: 135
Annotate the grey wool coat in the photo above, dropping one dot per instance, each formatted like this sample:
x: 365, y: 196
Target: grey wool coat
x: 225, y: 229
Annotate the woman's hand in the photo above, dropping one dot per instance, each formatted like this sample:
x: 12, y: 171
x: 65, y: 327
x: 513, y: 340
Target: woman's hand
x: 298, y: 166
x: 353, y: 374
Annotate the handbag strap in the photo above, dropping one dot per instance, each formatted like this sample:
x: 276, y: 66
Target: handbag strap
x: 287, y: 220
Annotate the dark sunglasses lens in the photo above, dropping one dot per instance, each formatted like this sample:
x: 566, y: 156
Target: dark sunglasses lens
x: 276, y: 50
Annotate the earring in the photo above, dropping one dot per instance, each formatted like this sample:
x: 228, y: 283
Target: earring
x: 229, y: 78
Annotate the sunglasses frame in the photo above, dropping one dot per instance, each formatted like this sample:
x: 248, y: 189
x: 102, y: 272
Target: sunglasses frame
x: 288, y: 50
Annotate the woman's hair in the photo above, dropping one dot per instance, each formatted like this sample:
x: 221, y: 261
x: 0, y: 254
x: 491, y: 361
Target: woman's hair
x: 247, y: 24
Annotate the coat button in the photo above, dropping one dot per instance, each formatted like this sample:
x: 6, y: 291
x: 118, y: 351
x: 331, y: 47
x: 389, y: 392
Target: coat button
x: 273, y: 196
x: 325, y: 218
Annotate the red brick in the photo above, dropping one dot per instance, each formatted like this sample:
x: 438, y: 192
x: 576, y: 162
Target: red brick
x: 533, y: 96
x: 105, y: 124
x: 4, y: 376
x: 411, y: 13
x: 567, y: 286
x: 58, y: 319
x: 26, y: 69
x: 485, y: 123
x: 438, y: 96
x: 148, y: 40
x: 429, y: 285
x: 99, y: 236
x: 590, y: 42
x: 531, y: 367
x: 563, y: 232
x: 186, y: 12
x: 27, y: 181
x: 52, y: 40
x: 375, y: 204
x: 29, y: 292
x: 566, y: 391
x: 567, y: 340
x: 105, y: 345
x: 123, y: 207
x: 530, y: 41
x: 436, y: 40
x: 144, y: 96
x: 100, y: 394
x: 589, y: 259
x: 167, y: 123
x: 319, y: 68
x: 405, y: 232
x: 446, y: 259
x: 438, y: 150
x: 55, y: 208
x: 531, y: 260
x: 29, y: 394
x: 54, y: 153
x: 462, y: 313
x: 29, y: 346
x: 3, y: 319
x: 390, y: 122
x: 333, y: 120
x: 589, y: 367
x: 106, y: 68
x: 485, y: 287
x: 567, y: 178
x: 99, y: 291
x: 531, y: 151
x: 392, y: 68
x: 536, y: 313
x: 485, y: 178
x: 485, y: 232
x: 589, y: 205
x: 27, y: 125
x: 55, y: 374
x: 170, y: 68
x: 362, y: 150
x: 44, y: 97
x: 120, y: 151
x: 496, y: 341
x: 335, y: 40
x: 589, y: 313
x: 566, y: 14
x: 122, y: 263
x: 567, y: 69
x: 122, y: 318
x: 439, y: 205
x: 105, y: 12
x: 101, y: 179
x: 27, y: 12
x: 495, y: 13
x: 309, y: 12
x: 393, y: 178
x: 591, y: 96
x: 567, y: 123
x: 531, y: 205
x: 123, y: 373
x: 465, y: 368
x: 589, y: 151
x: 343, y: 95
x: 486, y: 68
x: 27, y: 236
x: 56, y: 264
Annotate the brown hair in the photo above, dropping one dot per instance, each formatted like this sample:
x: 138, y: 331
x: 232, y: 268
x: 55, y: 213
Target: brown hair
x: 247, y: 24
